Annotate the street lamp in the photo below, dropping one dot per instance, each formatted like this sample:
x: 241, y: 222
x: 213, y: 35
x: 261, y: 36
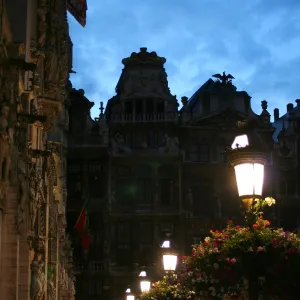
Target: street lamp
x: 145, y: 283
x: 169, y: 256
x: 129, y: 295
x: 248, y: 157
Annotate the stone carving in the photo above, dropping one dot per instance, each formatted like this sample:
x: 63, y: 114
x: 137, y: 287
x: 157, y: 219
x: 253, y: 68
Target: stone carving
x: 37, y: 284
x: 171, y: 145
x: 34, y: 204
x: 51, y: 290
x: 189, y: 199
x: 23, y: 185
x: 224, y: 78
x: 71, y: 288
x: 51, y: 65
x: 5, y: 144
x: 42, y: 24
x: 118, y: 145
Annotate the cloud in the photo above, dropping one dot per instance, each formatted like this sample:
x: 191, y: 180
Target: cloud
x: 257, y: 41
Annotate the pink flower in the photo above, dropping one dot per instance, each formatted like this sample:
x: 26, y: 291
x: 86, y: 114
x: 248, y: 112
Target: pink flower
x: 260, y: 248
x: 233, y: 260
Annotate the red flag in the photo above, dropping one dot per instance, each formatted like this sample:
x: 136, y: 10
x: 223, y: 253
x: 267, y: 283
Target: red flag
x: 81, y: 221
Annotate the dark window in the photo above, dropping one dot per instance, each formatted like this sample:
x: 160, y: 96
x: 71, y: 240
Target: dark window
x: 125, y: 192
x: 146, y: 232
x: 128, y: 108
x: 145, y: 191
x: 200, y: 153
x: 124, y: 233
x: 138, y: 106
x: 149, y: 106
x: 160, y: 108
x: 95, y: 287
x: 166, y: 191
x: 124, y: 251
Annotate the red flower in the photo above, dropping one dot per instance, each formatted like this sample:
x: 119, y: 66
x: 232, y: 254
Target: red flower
x: 292, y: 251
x: 255, y: 226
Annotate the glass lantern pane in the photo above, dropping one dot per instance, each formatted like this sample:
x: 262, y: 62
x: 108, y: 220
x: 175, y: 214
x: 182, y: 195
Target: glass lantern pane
x: 145, y: 286
x: 249, y: 179
x: 129, y: 297
x: 170, y: 262
x: 240, y: 141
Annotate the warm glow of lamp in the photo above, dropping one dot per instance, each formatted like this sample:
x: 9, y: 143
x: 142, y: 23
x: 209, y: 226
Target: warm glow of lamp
x: 169, y: 257
x: 145, y: 283
x: 249, y: 178
x: 129, y: 295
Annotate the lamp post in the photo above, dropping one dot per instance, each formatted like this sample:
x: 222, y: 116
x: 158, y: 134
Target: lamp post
x: 129, y: 294
x: 145, y: 283
x: 169, y: 256
x: 248, y: 156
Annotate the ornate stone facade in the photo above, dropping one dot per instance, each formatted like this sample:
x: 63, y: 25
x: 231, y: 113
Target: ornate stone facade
x: 148, y: 168
x: 35, y: 62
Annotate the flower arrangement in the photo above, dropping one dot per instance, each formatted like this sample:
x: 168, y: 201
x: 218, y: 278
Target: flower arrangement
x: 238, y: 262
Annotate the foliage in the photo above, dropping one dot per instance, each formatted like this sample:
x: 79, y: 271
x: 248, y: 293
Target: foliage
x: 237, y: 260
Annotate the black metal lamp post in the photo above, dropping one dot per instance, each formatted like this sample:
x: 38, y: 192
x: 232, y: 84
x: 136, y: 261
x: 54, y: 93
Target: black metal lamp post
x: 129, y: 295
x: 169, y: 255
x: 248, y: 156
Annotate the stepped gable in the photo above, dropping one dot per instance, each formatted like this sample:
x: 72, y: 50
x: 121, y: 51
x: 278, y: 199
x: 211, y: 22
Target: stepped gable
x: 143, y: 76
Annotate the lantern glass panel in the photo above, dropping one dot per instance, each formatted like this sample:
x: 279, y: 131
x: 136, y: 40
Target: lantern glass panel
x: 249, y: 178
x: 240, y: 141
x: 170, y: 262
x: 145, y: 285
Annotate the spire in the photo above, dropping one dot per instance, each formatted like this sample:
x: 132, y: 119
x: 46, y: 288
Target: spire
x: 101, y: 109
x: 265, y: 114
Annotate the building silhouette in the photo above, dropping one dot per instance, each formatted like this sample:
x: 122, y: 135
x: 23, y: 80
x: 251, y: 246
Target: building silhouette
x: 148, y: 167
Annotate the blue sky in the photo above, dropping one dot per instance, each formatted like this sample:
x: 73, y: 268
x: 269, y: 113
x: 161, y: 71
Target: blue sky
x: 257, y: 41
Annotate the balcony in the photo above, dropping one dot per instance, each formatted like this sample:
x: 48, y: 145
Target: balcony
x: 144, y: 118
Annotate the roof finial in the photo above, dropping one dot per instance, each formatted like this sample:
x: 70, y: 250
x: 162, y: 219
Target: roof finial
x: 101, y: 108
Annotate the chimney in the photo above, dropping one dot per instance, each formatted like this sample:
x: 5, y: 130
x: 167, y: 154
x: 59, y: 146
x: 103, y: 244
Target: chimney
x: 289, y: 107
x: 276, y: 114
x: 298, y: 102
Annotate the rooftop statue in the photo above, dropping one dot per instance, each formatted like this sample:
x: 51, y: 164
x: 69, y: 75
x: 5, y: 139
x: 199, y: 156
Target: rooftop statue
x: 224, y: 78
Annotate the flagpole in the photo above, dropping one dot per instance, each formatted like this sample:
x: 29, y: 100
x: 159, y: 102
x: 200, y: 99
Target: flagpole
x: 81, y: 212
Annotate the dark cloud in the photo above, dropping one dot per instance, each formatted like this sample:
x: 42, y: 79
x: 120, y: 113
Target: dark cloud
x: 257, y: 41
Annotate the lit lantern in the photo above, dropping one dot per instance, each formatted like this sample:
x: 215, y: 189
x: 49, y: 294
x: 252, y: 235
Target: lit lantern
x: 248, y: 157
x: 169, y: 256
x: 145, y: 283
x: 129, y: 295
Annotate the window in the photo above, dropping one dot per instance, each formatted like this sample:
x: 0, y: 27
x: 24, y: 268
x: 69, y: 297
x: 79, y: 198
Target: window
x: 146, y: 232
x: 95, y: 287
x: 124, y: 233
x: 124, y: 251
x: 200, y: 153
x: 95, y: 266
x: 145, y: 191
x: 166, y: 191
